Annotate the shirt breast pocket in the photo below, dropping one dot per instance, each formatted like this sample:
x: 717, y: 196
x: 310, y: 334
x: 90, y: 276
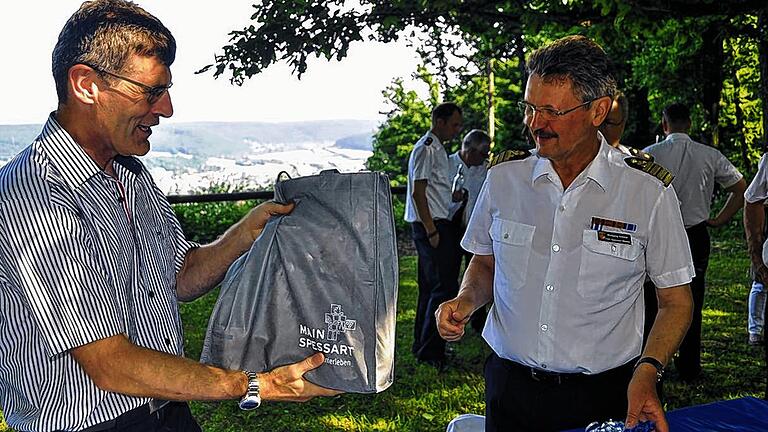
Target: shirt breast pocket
x: 608, y: 267
x: 512, y: 242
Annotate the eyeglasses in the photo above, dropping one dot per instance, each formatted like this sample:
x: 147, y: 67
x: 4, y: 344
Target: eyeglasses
x: 153, y: 93
x: 548, y: 114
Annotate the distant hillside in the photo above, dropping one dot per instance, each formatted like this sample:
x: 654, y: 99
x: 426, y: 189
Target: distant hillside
x: 13, y: 138
x: 206, y: 139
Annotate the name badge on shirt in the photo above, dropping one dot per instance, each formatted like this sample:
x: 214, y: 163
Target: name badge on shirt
x: 599, y: 223
x: 614, y: 237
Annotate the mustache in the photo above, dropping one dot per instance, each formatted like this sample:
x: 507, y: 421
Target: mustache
x: 540, y: 133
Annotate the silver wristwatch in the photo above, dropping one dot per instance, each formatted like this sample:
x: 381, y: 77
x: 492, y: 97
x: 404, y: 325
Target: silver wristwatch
x: 251, y: 399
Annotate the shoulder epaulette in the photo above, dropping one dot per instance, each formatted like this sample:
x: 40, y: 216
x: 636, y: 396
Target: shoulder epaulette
x: 508, y: 155
x: 651, y: 168
x: 428, y: 141
x: 640, y: 154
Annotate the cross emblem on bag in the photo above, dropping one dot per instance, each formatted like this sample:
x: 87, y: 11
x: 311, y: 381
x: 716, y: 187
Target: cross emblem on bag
x: 338, y: 322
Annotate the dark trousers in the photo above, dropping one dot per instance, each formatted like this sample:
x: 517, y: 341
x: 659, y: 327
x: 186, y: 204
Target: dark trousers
x: 173, y: 417
x: 438, y: 274
x: 688, y: 361
x: 519, y: 399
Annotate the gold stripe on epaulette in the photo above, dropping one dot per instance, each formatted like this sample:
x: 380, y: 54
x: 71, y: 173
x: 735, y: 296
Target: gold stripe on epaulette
x: 508, y: 155
x: 640, y: 154
x: 651, y: 168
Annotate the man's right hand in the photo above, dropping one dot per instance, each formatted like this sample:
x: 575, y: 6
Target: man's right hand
x: 761, y: 273
x: 451, y: 318
x: 287, y: 383
x: 434, y: 241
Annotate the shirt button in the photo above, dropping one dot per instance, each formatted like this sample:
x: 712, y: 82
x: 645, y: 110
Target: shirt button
x: 167, y: 341
x: 506, y: 235
x: 556, y: 247
x: 543, y: 365
x: 550, y: 288
x: 613, y: 248
x: 151, y: 294
x: 544, y: 327
x: 561, y: 208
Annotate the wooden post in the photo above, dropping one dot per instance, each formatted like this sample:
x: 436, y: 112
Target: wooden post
x: 491, y: 106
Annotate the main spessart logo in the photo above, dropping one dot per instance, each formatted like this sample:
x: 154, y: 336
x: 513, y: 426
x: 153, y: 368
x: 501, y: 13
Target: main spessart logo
x: 338, y: 323
x: 325, y: 339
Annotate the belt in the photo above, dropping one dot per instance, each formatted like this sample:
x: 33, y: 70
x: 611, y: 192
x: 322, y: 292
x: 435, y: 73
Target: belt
x: 545, y: 376
x: 553, y: 377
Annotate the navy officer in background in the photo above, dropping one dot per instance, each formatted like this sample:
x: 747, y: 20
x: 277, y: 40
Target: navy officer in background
x: 696, y: 167
x: 427, y: 208
x: 563, y: 238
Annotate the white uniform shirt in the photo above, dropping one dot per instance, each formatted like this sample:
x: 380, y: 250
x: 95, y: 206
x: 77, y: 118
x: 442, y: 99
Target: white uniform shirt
x: 696, y: 168
x: 430, y: 163
x: 564, y: 300
x: 474, y: 176
x: 758, y: 189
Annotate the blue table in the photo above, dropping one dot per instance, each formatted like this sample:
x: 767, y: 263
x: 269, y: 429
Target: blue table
x: 746, y: 414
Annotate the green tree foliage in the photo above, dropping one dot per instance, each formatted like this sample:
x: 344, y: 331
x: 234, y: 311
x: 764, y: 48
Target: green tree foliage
x: 701, y: 52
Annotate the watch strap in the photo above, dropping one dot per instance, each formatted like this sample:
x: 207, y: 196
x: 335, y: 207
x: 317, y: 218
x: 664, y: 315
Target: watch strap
x: 653, y: 362
x: 252, y: 398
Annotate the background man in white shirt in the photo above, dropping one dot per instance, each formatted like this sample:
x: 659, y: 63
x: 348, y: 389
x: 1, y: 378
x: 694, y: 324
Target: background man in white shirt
x: 696, y: 168
x: 754, y: 228
x: 563, y: 239
x: 427, y: 208
x: 471, y: 160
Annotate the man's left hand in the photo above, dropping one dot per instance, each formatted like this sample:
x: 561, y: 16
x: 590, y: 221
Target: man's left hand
x: 258, y: 216
x: 713, y: 223
x: 643, y: 401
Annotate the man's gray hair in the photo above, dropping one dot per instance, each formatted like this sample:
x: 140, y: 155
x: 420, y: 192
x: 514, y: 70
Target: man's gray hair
x: 577, y: 58
x: 105, y: 33
x: 474, y: 139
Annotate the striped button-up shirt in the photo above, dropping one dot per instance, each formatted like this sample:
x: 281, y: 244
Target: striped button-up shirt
x: 83, y: 256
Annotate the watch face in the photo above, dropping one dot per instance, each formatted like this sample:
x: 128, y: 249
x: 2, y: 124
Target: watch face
x: 250, y: 402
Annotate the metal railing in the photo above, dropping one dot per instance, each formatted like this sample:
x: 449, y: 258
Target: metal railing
x: 239, y: 196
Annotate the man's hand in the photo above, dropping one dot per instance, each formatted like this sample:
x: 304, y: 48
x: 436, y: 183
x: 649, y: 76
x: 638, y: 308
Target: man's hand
x: 643, y: 401
x: 287, y: 383
x: 459, y: 195
x: 255, y: 220
x: 451, y: 318
x: 434, y: 240
x: 761, y: 274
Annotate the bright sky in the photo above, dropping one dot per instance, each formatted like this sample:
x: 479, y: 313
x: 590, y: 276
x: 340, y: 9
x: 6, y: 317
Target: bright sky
x: 350, y: 89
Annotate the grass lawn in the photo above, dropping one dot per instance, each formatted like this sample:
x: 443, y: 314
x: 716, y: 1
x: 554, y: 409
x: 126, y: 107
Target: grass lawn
x: 423, y: 400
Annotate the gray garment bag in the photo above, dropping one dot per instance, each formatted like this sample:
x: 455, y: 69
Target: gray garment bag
x: 322, y: 278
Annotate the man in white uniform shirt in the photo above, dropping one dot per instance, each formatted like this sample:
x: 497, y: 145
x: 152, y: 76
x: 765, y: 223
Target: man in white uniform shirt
x: 471, y: 159
x: 427, y: 204
x: 696, y: 168
x: 754, y: 228
x: 563, y: 239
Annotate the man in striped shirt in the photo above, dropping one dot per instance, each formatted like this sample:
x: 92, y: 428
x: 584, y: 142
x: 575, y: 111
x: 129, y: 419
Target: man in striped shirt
x: 93, y: 260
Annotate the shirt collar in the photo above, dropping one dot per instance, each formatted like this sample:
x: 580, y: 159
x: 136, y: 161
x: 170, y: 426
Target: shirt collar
x: 597, y: 170
x: 461, y: 161
x: 674, y: 136
x: 69, y: 158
